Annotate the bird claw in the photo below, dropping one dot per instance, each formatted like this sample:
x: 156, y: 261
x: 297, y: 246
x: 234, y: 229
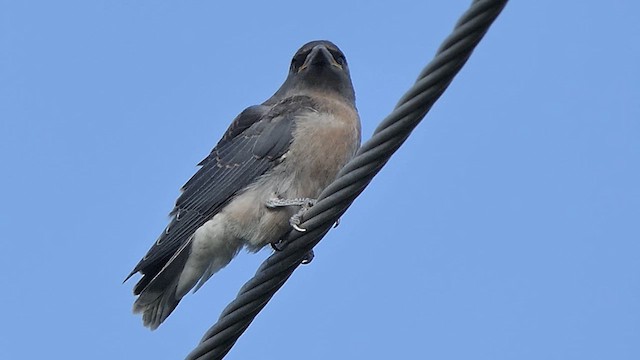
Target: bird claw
x: 308, y: 258
x: 278, y: 245
x: 296, y: 220
x: 298, y: 228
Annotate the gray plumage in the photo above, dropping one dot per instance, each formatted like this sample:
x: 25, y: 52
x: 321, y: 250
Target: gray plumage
x: 291, y: 146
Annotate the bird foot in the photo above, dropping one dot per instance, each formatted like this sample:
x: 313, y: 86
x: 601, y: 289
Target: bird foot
x: 296, y: 219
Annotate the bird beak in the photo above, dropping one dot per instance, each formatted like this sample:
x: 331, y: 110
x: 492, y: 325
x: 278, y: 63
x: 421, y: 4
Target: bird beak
x: 319, y: 56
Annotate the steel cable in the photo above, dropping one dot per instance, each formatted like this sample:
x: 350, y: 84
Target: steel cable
x: 351, y: 181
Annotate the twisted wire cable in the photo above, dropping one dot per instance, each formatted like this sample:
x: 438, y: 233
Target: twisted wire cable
x: 351, y: 181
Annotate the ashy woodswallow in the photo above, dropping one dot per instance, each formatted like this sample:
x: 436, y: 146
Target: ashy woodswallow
x: 270, y: 164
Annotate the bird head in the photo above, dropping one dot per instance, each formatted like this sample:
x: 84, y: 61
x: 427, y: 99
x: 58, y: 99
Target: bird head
x: 319, y: 66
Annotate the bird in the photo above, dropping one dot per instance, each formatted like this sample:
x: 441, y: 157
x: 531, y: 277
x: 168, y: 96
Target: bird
x: 251, y: 190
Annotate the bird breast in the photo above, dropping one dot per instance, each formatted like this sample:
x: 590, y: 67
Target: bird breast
x: 323, y: 143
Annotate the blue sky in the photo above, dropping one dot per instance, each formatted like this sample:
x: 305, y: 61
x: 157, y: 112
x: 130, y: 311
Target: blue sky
x: 507, y: 227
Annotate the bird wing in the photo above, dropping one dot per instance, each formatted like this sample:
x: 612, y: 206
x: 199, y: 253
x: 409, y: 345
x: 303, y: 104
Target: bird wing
x: 249, y: 148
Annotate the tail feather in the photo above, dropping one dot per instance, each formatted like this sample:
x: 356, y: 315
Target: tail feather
x: 157, y: 300
x: 156, y: 306
x: 162, y: 287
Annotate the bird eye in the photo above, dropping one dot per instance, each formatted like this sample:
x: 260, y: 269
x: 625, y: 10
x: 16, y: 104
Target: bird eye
x: 338, y: 57
x: 299, y: 59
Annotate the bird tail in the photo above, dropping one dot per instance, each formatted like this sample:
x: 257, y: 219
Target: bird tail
x: 157, y: 300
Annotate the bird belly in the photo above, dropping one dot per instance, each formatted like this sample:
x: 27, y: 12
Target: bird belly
x: 212, y: 248
x: 252, y: 221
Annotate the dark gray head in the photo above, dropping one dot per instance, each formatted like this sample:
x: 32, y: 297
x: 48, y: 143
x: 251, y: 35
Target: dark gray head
x: 318, y: 65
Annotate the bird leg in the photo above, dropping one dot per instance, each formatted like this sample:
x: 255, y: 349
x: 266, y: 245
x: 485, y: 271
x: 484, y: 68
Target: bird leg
x: 278, y: 202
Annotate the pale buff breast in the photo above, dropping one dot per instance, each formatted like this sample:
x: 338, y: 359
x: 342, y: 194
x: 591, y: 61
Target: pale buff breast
x: 323, y: 143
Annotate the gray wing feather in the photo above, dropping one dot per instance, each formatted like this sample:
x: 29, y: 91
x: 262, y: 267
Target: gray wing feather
x: 254, y: 140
